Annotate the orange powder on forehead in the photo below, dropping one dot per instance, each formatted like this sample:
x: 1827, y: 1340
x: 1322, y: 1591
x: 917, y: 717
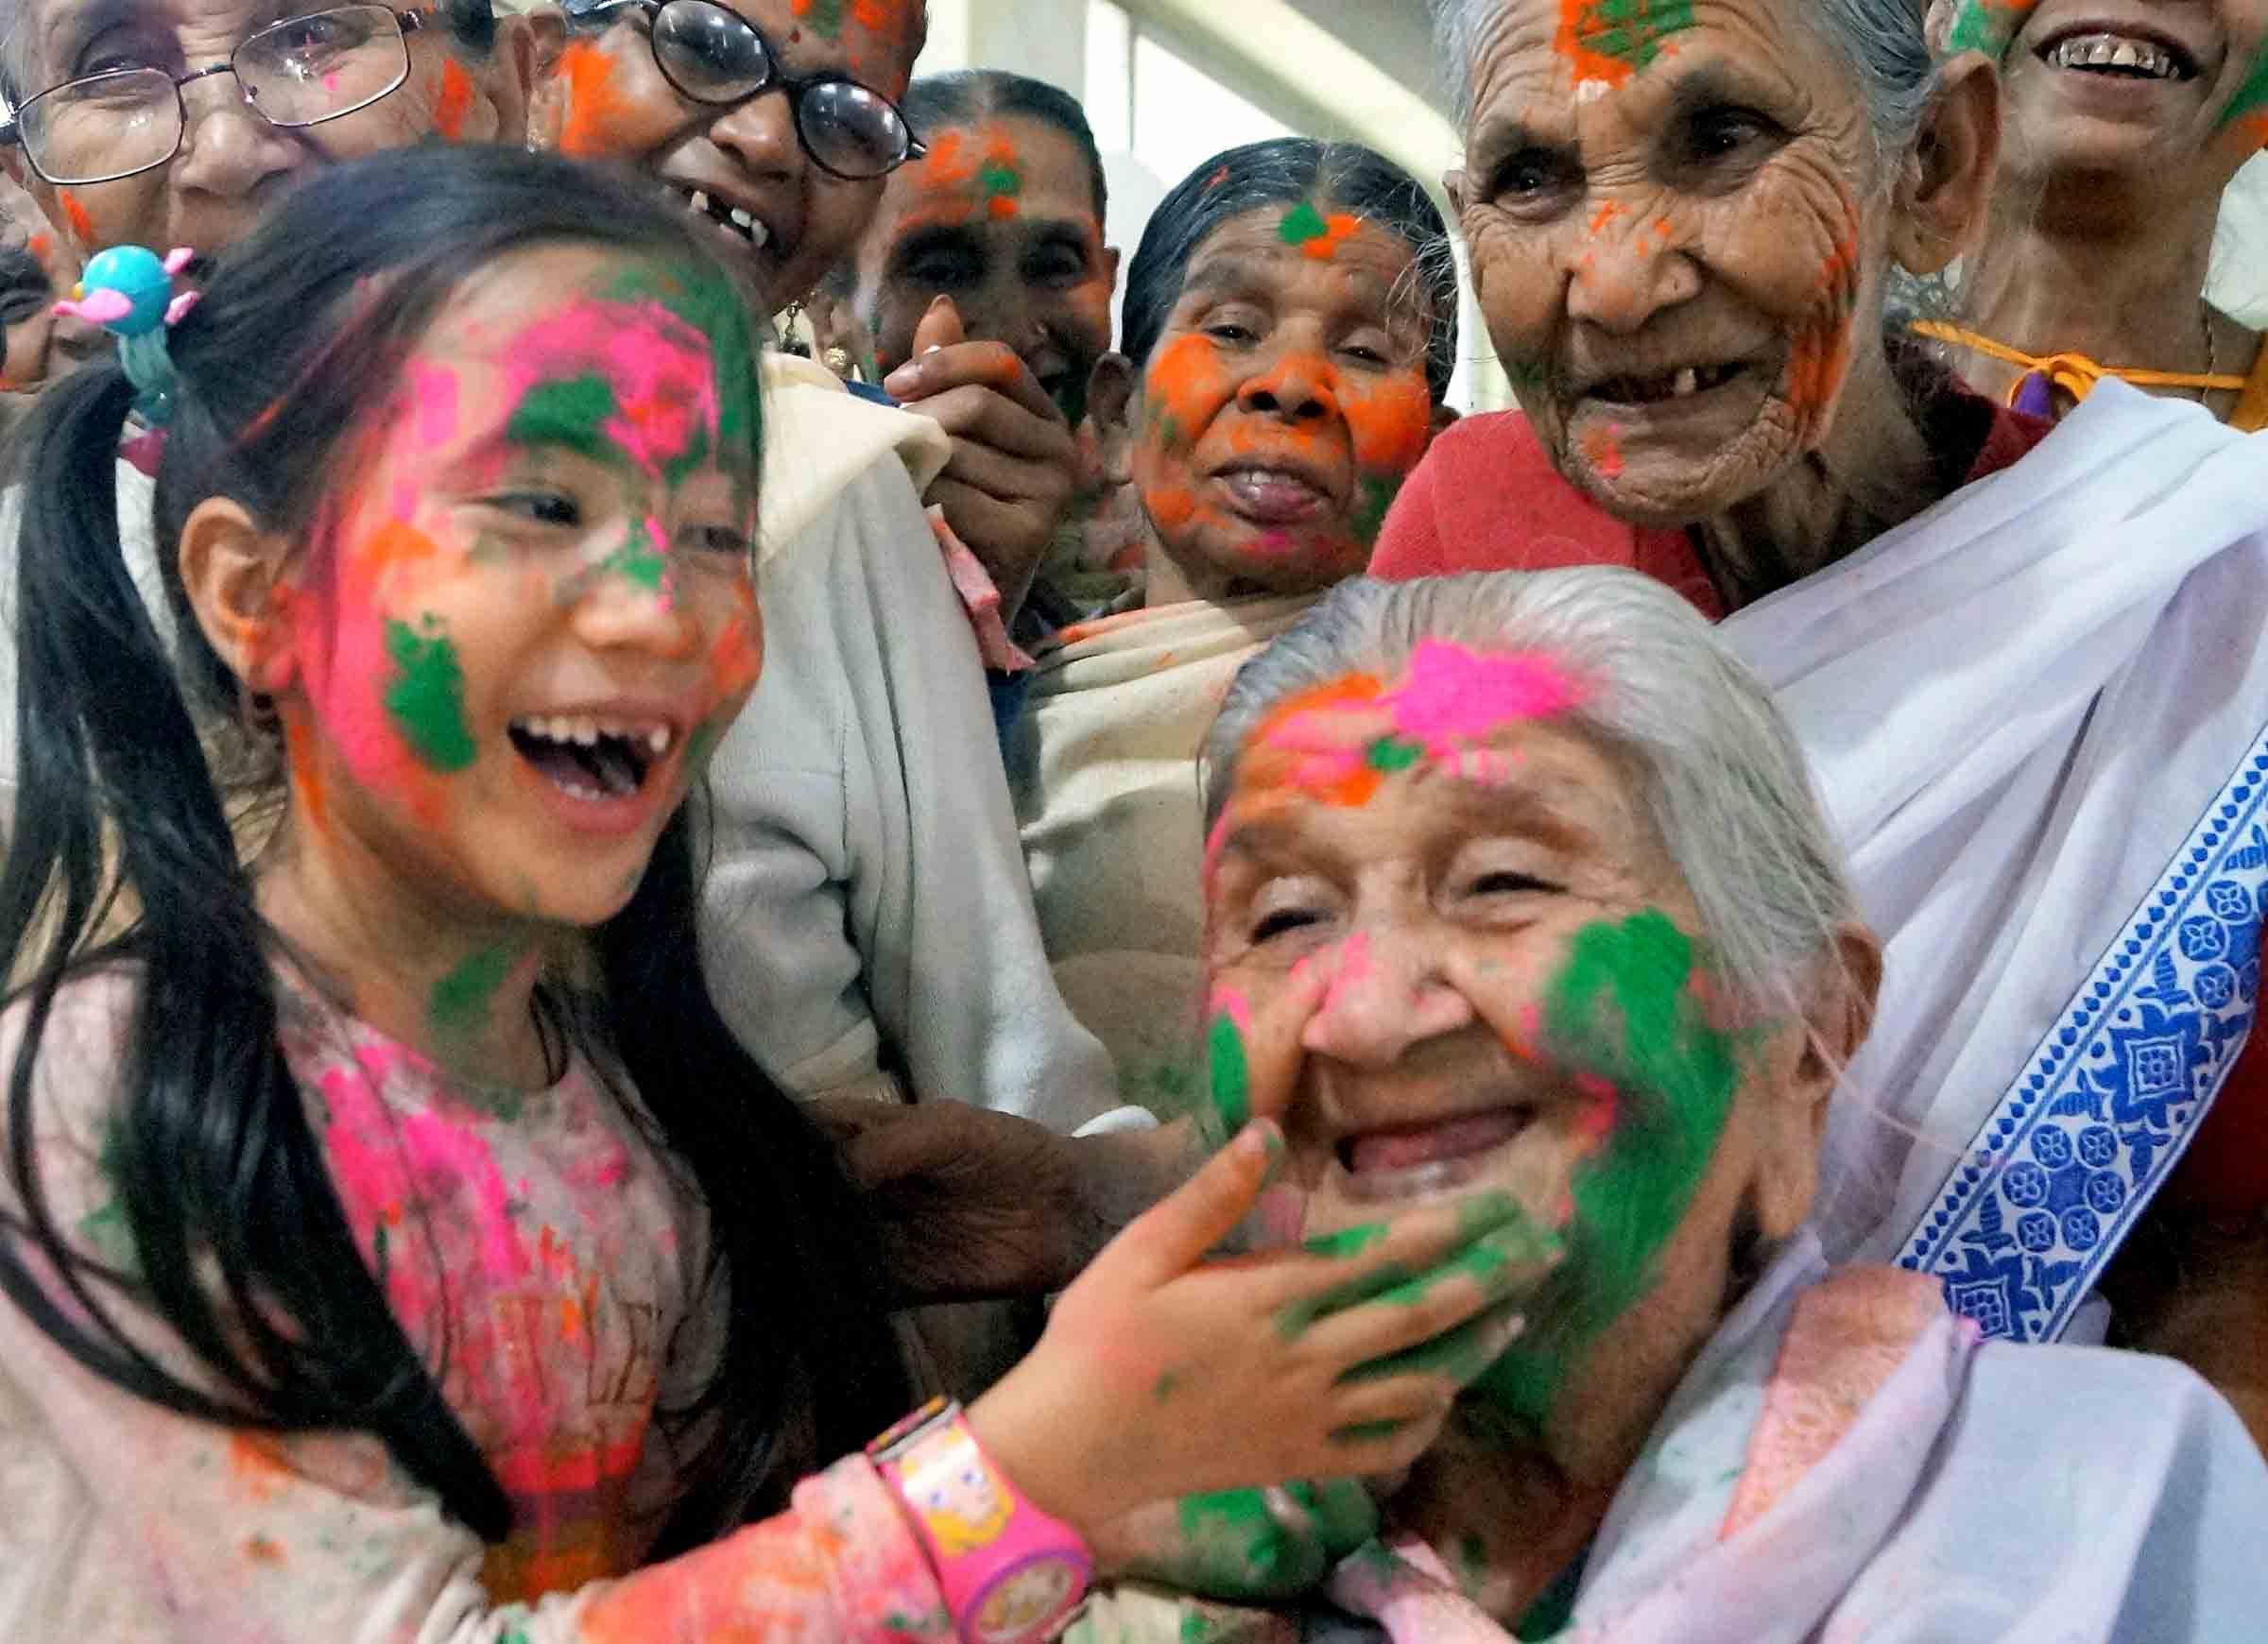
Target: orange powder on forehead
x: 952, y: 161
x: 594, y: 106
x: 456, y: 102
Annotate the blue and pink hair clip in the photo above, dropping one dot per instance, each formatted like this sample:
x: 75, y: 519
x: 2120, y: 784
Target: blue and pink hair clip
x: 128, y: 292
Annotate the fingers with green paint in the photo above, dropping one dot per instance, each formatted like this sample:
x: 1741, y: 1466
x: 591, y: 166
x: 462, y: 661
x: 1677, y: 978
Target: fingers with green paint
x: 1486, y: 1236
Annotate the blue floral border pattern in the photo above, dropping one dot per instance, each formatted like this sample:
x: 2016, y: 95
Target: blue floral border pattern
x: 2101, y: 1112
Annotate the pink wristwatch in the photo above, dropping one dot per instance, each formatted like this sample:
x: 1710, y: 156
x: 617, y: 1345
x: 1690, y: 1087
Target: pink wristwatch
x: 1011, y: 1573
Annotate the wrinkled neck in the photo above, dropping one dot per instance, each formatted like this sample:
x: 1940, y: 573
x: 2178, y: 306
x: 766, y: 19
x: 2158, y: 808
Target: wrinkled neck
x: 1874, y: 471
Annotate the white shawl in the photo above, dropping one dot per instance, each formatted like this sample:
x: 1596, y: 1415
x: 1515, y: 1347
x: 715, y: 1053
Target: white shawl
x: 2036, y: 714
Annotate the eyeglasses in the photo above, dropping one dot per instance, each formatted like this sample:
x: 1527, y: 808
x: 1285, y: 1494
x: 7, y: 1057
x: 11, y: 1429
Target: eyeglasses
x: 299, y: 71
x: 713, y: 54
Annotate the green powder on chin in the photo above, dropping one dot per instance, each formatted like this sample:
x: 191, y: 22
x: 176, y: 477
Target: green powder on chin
x: 1622, y: 1009
x: 428, y: 698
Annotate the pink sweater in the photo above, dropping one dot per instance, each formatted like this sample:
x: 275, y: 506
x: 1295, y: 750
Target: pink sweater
x: 538, y: 1239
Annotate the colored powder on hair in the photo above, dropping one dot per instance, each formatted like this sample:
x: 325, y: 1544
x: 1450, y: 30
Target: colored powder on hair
x: 1624, y: 1009
x: 596, y: 107
x: 455, y: 101
x: 458, y: 1006
x: 1988, y: 26
x: 1609, y: 40
x: 428, y: 698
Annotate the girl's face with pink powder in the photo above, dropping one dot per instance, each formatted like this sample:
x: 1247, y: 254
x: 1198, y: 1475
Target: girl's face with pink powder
x: 527, y: 610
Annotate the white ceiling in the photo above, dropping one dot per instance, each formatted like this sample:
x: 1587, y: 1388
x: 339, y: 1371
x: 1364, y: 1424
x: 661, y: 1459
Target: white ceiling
x: 1396, y: 35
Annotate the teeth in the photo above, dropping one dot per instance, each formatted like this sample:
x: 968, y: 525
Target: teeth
x: 742, y: 218
x: 1687, y: 381
x: 2110, y: 51
x: 657, y: 741
x: 700, y: 201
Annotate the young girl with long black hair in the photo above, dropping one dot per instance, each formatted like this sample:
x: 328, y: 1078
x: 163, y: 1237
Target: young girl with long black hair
x: 396, y: 1244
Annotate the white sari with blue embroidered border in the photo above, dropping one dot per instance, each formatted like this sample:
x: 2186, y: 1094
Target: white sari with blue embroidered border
x: 2037, y: 716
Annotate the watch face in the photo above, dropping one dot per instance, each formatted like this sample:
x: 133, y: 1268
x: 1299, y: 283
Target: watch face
x: 1027, y: 1600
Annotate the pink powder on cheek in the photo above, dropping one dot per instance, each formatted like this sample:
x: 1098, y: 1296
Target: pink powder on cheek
x: 1231, y: 1002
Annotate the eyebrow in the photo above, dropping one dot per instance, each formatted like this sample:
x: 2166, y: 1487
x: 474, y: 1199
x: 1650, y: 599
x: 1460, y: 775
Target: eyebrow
x: 74, y: 25
x: 1237, y: 275
x: 935, y: 237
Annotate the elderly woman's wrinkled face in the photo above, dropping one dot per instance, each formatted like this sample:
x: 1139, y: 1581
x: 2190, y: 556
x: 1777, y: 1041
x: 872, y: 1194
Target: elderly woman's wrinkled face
x: 231, y: 163
x: 1449, y: 953
x: 1674, y: 234
x: 1285, y: 403
x: 743, y: 167
x: 2141, y: 89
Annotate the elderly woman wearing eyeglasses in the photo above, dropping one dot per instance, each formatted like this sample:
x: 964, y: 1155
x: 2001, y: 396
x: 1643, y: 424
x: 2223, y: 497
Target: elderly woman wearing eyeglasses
x: 175, y: 122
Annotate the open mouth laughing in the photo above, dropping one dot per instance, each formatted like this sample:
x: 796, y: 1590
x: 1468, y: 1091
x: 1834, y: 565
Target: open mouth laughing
x: 594, y: 759
x: 1404, y: 1161
x: 2118, y: 54
x: 1662, y: 388
x: 738, y: 224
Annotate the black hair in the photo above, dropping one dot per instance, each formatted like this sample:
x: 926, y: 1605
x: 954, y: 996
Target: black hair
x: 1283, y: 172
x: 25, y: 288
x: 302, y: 332
x: 970, y: 95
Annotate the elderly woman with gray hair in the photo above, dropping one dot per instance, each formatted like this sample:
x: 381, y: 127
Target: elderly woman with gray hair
x: 1517, y: 883
x: 2025, y: 665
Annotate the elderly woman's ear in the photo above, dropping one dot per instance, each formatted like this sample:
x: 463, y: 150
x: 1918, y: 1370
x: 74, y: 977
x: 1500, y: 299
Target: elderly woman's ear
x: 1945, y: 186
x: 502, y: 82
x: 1787, y: 1176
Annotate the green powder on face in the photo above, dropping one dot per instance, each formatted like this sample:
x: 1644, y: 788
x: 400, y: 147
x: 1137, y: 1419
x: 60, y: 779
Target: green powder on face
x: 1000, y: 180
x: 1390, y: 755
x: 1632, y: 32
x: 2251, y: 100
x: 571, y: 413
x: 1622, y: 1009
x: 824, y: 18
x: 1303, y: 223
x: 459, y: 1005
x: 428, y: 698
x: 1230, y: 1076
x: 1988, y: 26
x: 1378, y: 501
x: 639, y: 560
